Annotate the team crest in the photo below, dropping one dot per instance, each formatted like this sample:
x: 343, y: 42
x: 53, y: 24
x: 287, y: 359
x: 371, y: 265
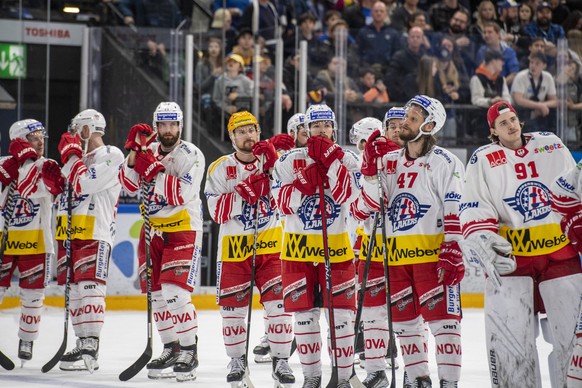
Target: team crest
x: 310, y: 212
x: 247, y: 218
x: 24, y: 212
x: 532, y: 200
x: 406, y: 211
x: 156, y: 203
x: 77, y: 200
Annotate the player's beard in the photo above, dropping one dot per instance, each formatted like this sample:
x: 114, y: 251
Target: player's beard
x: 247, y: 146
x: 168, y: 140
x: 406, y: 134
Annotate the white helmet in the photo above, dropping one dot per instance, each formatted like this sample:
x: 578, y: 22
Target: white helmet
x: 434, y: 108
x: 294, y: 122
x: 91, y: 118
x: 364, y: 128
x: 168, y: 111
x: 22, y: 128
x: 393, y: 113
x: 319, y: 112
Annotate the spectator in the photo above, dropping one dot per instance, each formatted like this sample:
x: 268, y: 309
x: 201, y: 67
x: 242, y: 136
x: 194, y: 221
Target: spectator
x: 544, y: 28
x: 575, y: 45
x: 232, y: 85
x: 267, y: 95
x: 305, y: 31
x: 401, y: 71
x: 246, y: 49
x: 222, y: 23
x: 327, y: 79
x: 401, y: 16
x: 235, y: 8
x: 358, y: 14
x: 447, y: 42
x: 509, y: 17
x: 488, y: 86
x: 485, y: 13
x: 208, y: 69
x: 373, y: 91
x: 572, y: 82
x: 327, y: 46
x: 270, y: 16
x: 536, y: 45
x: 573, y: 21
x: 560, y: 11
x: 492, y: 35
x: 442, y: 12
x: 377, y: 41
x: 150, y: 13
x: 458, y: 30
x: 534, y: 94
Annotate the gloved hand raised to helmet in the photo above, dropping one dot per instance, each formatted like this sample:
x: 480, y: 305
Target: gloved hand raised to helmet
x: 324, y: 150
x: 136, y: 134
x: 266, y: 151
x: 21, y: 150
x: 282, y: 142
x: 376, y: 147
x: 70, y: 145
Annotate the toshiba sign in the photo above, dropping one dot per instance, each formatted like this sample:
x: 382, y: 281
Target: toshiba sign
x: 60, y: 34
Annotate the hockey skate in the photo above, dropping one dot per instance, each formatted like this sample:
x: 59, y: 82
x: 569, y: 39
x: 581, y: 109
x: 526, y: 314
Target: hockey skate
x: 90, y: 353
x: 422, y: 382
x: 406, y: 383
x: 312, y: 382
x: 262, y: 351
x: 376, y: 379
x: 343, y: 384
x: 156, y: 367
x: 24, y: 351
x: 237, y: 375
x: 448, y: 384
x: 186, y: 364
x: 282, y: 373
x: 72, y: 361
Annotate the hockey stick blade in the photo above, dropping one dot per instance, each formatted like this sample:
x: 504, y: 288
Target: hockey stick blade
x: 355, y: 380
x: 5, y: 362
x: 57, y: 357
x: 137, y: 366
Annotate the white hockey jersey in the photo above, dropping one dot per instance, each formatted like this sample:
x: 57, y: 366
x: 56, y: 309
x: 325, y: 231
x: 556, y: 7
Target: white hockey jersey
x: 508, y: 192
x: 174, y: 202
x: 423, y: 197
x: 94, y: 209
x: 30, y: 228
x: 567, y: 191
x: 302, y: 240
x: 237, y: 217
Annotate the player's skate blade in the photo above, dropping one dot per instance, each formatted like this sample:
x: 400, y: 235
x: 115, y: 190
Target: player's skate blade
x: 160, y: 374
x: 90, y: 363
x: 185, y: 376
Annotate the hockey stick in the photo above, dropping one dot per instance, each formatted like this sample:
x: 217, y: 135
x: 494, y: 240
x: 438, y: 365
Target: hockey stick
x: 57, y: 357
x: 246, y: 377
x: 386, y: 274
x: 5, y: 362
x: 8, y: 211
x: 146, y: 356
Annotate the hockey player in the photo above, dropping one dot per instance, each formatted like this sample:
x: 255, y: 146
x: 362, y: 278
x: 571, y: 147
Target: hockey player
x: 91, y: 168
x: 507, y: 210
x: 171, y: 169
x: 296, y: 129
x: 29, y: 245
x: 566, y: 197
x: 391, y: 124
x: 422, y: 187
x: 374, y: 313
x: 238, y: 186
x: 300, y: 175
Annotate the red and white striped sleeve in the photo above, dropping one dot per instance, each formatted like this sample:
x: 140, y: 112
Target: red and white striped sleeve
x: 223, y: 204
x: 567, y: 191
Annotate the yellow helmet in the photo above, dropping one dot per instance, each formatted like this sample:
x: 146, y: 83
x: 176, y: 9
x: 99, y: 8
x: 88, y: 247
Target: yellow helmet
x: 239, y: 119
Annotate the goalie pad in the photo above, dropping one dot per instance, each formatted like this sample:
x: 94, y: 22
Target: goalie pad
x: 510, y: 329
x: 560, y: 296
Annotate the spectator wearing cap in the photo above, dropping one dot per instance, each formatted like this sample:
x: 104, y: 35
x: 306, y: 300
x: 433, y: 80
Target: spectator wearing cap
x: 493, y: 42
x: 544, y: 28
x: 377, y: 41
x: 534, y: 93
x: 509, y: 16
x: 488, y: 86
x: 245, y: 47
x: 443, y: 11
x: 222, y: 22
x: 232, y: 85
x: 401, y: 15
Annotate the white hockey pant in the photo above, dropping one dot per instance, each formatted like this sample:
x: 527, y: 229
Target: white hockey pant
x: 30, y: 311
x: 279, y: 329
x: 183, y: 314
x: 234, y: 330
x: 376, y: 337
x: 413, y: 338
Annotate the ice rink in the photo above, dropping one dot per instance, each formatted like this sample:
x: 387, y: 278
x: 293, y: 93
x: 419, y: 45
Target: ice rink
x: 124, y: 339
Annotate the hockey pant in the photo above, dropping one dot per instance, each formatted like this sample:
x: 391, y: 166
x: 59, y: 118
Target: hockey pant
x: 87, y: 307
x: 308, y: 337
x: 175, y: 315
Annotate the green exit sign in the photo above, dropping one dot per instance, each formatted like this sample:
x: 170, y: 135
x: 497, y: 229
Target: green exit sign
x: 12, y: 60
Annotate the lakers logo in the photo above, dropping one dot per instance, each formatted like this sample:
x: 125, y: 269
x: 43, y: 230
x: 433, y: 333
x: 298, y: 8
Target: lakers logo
x: 532, y: 200
x: 24, y: 212
x: 310, y: 212
x: 406, y: 212
x: 248, y: 216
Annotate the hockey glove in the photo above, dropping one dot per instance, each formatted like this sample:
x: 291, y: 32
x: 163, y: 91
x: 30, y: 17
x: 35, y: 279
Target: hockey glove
x: 572, y: 227
x: 134, y: 133
x: 8, y: 170
x: 450, y: 267
x: 309, y: 179
x: 70, y: 145
x: 324, y: 150
x: 376, y: 147
x: 282, y: 142
x: 21, y: 150
x: 52, y: 177
x: 254, y: 187
x: 266, y: 150
x: 147, y: 166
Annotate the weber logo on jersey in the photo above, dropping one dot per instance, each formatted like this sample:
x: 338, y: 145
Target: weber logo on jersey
x: 532, y: 200
x: 406, y: 212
